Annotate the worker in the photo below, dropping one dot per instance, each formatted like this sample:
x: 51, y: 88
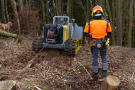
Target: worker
x: 98, y: 30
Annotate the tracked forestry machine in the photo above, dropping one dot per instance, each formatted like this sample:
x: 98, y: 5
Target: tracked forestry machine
x: 60, y: 35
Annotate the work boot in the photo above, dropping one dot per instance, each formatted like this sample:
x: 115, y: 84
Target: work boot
x: 104, y: 73
x: 95, y: 76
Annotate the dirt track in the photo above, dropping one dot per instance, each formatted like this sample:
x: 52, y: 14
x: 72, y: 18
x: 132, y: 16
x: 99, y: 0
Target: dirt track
x: 53, y: 69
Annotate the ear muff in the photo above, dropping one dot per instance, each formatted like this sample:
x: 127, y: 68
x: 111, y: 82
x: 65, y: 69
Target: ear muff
x: 95, y: 12
x: 92, y: 14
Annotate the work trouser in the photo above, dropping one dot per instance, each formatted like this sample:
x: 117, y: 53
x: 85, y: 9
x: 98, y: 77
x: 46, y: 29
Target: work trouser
x: 103, y: 55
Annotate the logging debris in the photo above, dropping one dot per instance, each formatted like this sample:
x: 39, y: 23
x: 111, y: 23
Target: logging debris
x: 52, y: 69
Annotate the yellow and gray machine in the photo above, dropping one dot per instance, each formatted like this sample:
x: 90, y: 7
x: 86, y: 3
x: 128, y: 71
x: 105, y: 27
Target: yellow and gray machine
x: 60, y: 35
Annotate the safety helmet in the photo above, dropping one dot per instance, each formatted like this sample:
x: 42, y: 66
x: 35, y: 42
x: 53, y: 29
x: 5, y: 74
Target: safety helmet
x: 97, y: 9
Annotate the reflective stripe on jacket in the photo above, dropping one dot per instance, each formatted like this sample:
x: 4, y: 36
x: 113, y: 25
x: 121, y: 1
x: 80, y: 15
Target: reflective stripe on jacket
x: 97, y: 28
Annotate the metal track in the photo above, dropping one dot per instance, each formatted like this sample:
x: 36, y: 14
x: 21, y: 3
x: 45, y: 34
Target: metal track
x: 37, y: 44
x: 70, y: 46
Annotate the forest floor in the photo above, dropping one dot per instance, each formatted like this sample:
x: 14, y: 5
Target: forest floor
x: 53, y: 69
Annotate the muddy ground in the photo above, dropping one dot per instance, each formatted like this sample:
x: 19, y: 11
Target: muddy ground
x: 53, y: 69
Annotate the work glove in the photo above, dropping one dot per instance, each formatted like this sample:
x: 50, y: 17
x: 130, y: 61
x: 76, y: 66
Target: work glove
x: 107, y: 41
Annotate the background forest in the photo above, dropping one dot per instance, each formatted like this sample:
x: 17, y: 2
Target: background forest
x: 29, y: 16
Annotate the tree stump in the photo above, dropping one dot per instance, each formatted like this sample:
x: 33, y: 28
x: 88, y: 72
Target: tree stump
x: 7, y: 85
x: 111, y: 82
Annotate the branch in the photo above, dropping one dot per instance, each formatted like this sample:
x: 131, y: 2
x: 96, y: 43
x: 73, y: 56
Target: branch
x: 89, y: 75
x: 79, y: 78
x: 30, y: 62
x: 62, y: 75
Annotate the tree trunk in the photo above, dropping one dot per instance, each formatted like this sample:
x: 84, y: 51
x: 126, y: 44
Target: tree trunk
x: 59, y: 8
x: 7, y: 16
x: 100, y: 3
x: 130, y: 24
x: 56, y: 7
x: 113, y: 23
x: 119, y: 25
x: 91, y: 4
x: 69, y: 8
x: 20, y: 5
x: 110, y: 17
x: 87, y: 17
x: 62, y: 7
x: 91, y: 7
x: 72, y: 10
x: 47, y: 13
x: 103, y: 6
x: 125, y: 22
x: 96, y: 2
x: 134, y: 28
x: 27, y: 15
x: 3, y: 11
x: 43, y: 11
x: 30, y: 4
x: 18, y: 22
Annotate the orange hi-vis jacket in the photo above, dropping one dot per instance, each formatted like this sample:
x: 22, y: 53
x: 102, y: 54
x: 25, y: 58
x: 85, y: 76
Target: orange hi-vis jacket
x: 97, y: 28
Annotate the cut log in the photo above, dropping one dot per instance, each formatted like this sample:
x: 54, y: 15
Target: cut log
x: 110, y: 83
x: 7, y: 85
x: 113, y: 82
x: 6, y: 34
x: 16, y: 87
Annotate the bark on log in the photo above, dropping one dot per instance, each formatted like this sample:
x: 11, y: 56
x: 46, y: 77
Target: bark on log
x: 6, y: 34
